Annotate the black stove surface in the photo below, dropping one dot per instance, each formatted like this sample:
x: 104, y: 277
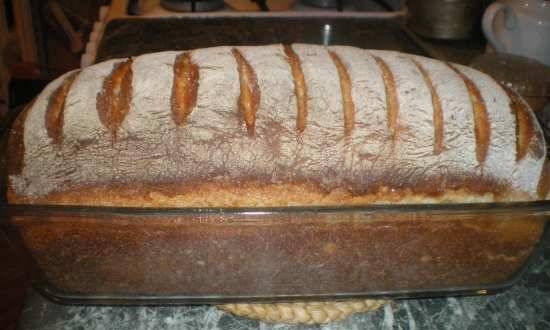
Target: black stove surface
x: 192, y: 5
x: 131, y: 37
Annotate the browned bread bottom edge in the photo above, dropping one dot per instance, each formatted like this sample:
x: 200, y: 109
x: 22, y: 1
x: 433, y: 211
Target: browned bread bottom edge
x: 250, y: 194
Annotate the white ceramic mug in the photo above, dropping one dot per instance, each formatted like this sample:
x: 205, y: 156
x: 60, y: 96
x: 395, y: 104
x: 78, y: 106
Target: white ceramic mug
x: 520, y: 27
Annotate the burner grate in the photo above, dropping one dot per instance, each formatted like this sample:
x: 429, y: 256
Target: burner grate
x: 192, y: 5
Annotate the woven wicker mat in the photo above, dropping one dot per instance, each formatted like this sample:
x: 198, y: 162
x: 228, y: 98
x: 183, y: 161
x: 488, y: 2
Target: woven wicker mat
x: 303, y: 312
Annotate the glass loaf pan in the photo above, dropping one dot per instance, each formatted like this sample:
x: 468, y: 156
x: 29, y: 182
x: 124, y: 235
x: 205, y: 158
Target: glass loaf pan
x: 130, y: 255
x: 107, y: 255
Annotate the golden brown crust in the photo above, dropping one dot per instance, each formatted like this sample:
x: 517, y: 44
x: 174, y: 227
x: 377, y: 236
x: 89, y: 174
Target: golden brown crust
x: 249, y: 99
x: 300, y: 87
x: 544, y: 183
x: 482, y: 126
x: 392, y: 103
x: 184, y: 87
x: 113, y: 102
x: 258, y: 194
x: 345, y: 87
x: 56, y: 107
x: 437, y: 111
x: 525, y: 130
x: 16, y: 146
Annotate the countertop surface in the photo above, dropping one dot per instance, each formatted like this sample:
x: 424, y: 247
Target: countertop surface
x: 524, y: 306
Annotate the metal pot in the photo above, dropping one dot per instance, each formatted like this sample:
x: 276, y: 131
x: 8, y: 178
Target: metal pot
x: 444, y: 19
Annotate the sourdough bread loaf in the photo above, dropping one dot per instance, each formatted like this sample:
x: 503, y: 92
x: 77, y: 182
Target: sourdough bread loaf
x: 275, y: 125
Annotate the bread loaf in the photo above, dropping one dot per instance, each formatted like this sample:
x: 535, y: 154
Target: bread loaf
x: 272, y: 126
x: 275, y: 125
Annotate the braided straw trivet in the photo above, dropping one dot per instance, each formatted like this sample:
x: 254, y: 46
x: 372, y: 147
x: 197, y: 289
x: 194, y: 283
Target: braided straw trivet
x: 303, y: 312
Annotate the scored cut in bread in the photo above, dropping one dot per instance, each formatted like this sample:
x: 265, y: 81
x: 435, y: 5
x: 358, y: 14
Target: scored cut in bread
x: 272, y: 126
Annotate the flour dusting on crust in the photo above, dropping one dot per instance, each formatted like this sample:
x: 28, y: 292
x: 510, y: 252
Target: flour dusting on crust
x: 213, y: 144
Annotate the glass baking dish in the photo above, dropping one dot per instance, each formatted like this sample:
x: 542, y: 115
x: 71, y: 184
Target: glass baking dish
x: 110, y: 255
x: 131, y: 255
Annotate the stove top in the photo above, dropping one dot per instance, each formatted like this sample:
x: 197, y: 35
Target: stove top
x: 130, y: 37
x: 168, y: 8
x: 191, y: 5
x: 121, y: 32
